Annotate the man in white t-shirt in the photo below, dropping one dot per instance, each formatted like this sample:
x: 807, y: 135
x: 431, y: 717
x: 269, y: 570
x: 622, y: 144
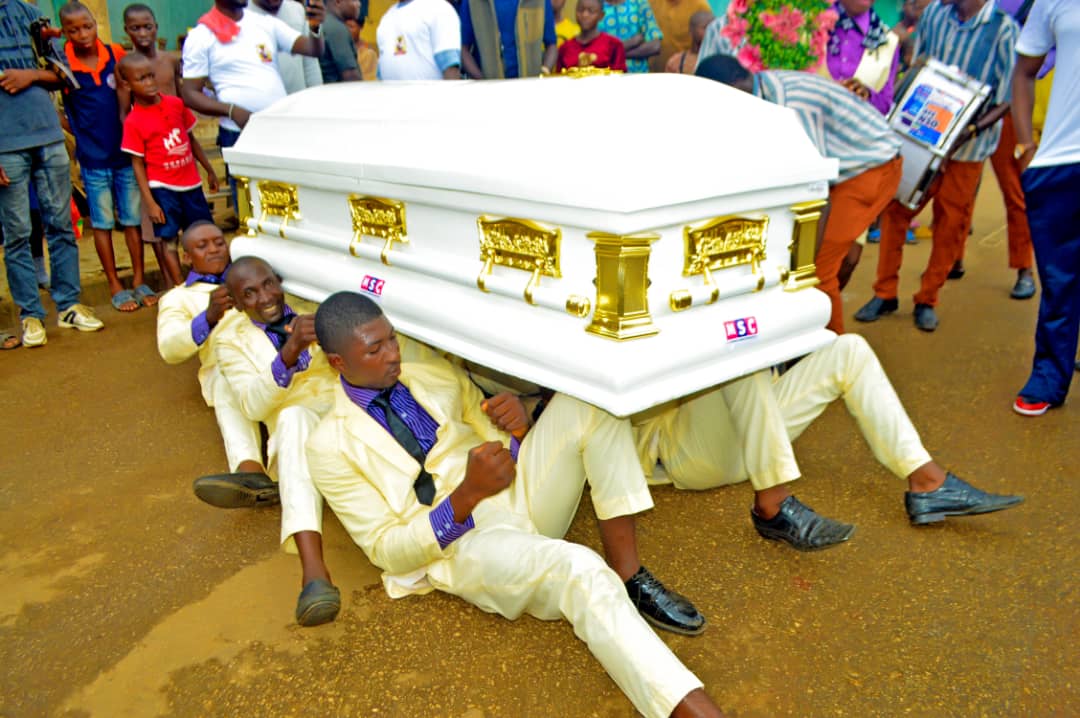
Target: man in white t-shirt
x: 1050, y: 186
x: 419, y: 40
x: 297, y: 72
x: 237, y: 52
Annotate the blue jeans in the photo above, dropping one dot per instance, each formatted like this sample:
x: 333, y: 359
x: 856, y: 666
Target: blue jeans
x: 1054, y: 217
x: 228, y: 138
x: 49, y: 169
x: 113, y: 193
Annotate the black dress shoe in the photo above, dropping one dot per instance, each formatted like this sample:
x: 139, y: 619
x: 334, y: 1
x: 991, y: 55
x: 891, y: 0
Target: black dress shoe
x: 875, y: 308
x: 797, y: 525
x: 925, y: 317
x: 957, y: 271
x: 955, y: 497
x: 663, y: 607
x: 239, y: 490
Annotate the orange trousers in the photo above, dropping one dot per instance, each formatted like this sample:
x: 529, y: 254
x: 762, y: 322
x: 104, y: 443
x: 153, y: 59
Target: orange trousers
x: 953, y: 193
x: 853, y: 205
x: 1007, y: 169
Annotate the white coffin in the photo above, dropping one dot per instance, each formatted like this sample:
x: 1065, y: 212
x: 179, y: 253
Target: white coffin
x: 624, y: 239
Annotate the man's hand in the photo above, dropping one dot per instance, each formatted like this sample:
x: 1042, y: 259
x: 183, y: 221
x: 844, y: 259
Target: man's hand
x: 301, y: 336
x: 240, y: 116
x: 507, y: 413
x: 212, y: 181
x: 220, y: 302
x: 4, y: 179
x: 1024, y: 160
x: 857, y: 87
x: 15, y: 81
x: 489, y: 470
x: 316, y: 13
x: 155, y: 212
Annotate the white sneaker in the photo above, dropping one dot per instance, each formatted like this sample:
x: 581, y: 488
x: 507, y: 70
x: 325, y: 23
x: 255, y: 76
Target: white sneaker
x: 79, y: 317
x: 33, y: 332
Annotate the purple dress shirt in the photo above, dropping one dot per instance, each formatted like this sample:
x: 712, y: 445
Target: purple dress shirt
x: 200, y: 328
x: 842, y: 65
x: 1013, y: 7
x: 283, y: 374
x: 425, y: 429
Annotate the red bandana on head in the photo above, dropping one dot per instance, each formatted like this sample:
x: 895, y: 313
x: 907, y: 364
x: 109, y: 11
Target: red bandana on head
x: 224, y: 27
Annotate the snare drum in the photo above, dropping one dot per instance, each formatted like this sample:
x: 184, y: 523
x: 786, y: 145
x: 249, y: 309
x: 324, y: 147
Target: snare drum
x: 932, y: 112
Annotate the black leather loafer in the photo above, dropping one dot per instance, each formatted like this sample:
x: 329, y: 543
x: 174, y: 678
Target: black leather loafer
x: 797, y: 525
x: 955, y: 497
x: 663, y: 607
x: 876, y: 308
x: 319, y: 603
x: 240, y: 490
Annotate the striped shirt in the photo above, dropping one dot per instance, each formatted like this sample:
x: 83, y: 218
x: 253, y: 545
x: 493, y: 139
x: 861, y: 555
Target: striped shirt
x: 983, y: 48
x: 840, y: 124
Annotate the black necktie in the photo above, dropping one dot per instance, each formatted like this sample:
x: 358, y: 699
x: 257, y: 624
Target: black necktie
x: 278, y: 330
x: 424, y: 486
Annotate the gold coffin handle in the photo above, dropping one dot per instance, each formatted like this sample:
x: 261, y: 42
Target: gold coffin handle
x: 521, y: 244
x: 377, y: 217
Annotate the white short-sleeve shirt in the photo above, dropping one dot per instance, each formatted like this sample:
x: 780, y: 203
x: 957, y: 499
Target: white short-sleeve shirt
x: 1056, y: 23
x: 413, y: 37
x: 244, y: 72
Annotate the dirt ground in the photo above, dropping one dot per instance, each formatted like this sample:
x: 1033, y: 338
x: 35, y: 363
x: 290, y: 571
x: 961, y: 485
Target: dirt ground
x: 122, y: 595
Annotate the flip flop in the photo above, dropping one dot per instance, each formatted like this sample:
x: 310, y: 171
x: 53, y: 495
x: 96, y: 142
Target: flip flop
x: 145, y: 295
x: 9, y: 341
x: 123, y: 297
x: 236, y: 491
x: 319, y: 603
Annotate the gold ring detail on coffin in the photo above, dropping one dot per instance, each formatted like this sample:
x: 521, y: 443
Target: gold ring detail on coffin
x: 278, y: 199
x: 377, y: 217
x: 803, y: 273
x: 622, y: 284
x: 519, y: 244
x: 578, y: 306
x: 722, y: 242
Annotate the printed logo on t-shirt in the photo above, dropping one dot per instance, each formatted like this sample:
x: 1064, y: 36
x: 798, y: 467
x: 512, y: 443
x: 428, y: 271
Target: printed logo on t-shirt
x: 399, y: 46
x: 264, y: 54
x: 110, y: 80
x: 176, y: 145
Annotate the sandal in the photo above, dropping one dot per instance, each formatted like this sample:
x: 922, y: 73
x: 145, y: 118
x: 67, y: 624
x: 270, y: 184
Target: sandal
x: 145, y: 295
x: 319, y: 603
x: 123, y: 297
x: 9, y: 341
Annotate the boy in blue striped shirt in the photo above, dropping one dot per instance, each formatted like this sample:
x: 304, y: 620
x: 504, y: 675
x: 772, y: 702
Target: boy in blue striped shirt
x: 980, y: 38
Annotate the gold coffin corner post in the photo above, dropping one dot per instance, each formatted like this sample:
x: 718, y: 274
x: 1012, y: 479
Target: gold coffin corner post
x: 622, y: 284
x: 804, y: 245
x: 521, y: 244
x: 277, y: 199
x: 722, y: 242
x: 245, y: 206
x: 377, y: 217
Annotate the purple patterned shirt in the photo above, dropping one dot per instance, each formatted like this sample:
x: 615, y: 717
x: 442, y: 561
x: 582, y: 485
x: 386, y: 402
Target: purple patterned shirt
x: 842, y: 65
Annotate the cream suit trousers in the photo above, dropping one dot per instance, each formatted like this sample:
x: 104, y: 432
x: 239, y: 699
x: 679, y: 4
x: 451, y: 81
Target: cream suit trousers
x: 239, y: 434
x: 572, y: 441
x: 744, y: 429
x: 301, y: 503
x: 511, y: 572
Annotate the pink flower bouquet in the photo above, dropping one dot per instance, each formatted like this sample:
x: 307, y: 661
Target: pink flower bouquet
x: 779, y: 34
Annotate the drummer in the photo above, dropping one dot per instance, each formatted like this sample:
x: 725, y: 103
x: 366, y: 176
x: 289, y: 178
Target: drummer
x: 843, y: 126
x: 979, y: 38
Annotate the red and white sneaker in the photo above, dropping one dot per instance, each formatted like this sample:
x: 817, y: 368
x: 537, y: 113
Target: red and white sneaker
x: 1030, y: 408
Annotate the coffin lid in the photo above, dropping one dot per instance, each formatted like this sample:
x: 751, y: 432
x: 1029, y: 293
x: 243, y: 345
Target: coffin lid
x: 618, y: 143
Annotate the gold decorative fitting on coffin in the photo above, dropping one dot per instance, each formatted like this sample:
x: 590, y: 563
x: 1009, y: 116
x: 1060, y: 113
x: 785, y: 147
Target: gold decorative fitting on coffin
x: 377, y: 217
x: 578, y: 306
x: 589, y: 71
x: 622, y: 284
x: 245, y: 207
x: 725, y: 242
x: 520, y: 244
x: 803, y: 245
x: 680, y: 299
x: 277, y: 199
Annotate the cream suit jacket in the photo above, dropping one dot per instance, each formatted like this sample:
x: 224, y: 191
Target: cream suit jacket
x: 367, y: 477
x: 244, y: 355
x: 177, y: 308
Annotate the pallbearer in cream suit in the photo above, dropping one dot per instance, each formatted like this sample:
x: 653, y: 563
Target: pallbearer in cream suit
x: 413, y: 462
x: 743, y: 431
x: 190, y: 317
x: 282, y: 379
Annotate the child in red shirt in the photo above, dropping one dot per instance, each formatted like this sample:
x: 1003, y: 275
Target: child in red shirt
x: 157, y: 133
x: 591, y: 48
